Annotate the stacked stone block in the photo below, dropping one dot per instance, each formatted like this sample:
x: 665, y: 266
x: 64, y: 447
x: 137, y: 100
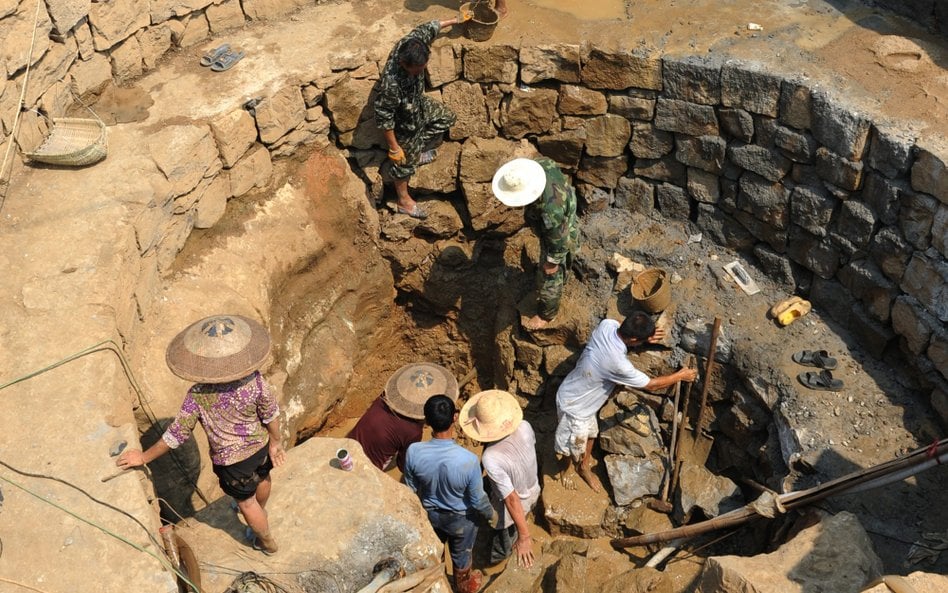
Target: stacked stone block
x: 854, y: 211
x: 852, y: 207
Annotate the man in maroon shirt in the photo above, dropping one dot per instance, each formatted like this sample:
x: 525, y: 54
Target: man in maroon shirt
x: 396, y: 418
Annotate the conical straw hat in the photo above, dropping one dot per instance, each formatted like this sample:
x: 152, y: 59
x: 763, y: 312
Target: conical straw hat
x: 490, y: 416
x: 218, y: 349
x: 410, y: 387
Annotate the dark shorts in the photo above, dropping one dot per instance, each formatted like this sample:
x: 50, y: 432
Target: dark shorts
x: 240, y: 480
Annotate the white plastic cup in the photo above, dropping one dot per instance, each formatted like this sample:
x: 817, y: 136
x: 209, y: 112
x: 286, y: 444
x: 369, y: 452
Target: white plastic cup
x: 345, y: 460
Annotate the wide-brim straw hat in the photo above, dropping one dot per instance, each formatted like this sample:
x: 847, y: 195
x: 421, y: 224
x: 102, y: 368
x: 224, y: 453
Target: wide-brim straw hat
x: 218, y: 349
x: 519, y: 182
x: 490, y: 416
x: 410, y: 387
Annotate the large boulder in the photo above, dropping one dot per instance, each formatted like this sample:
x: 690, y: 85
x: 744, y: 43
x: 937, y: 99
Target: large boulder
x: 833, y: 555
x: 333, y: 525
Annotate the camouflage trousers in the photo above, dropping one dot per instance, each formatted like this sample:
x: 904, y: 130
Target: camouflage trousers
x: 431, y: 121
x: 550, y: 288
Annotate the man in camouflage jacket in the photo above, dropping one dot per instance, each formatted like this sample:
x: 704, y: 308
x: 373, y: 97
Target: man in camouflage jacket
x: 409, y: 119
x: 559, y: 239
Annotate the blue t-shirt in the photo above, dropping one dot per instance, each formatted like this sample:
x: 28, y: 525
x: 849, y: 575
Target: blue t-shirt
x: 446, y: 477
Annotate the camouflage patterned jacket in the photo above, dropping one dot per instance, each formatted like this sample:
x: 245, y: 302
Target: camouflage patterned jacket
x: 559, y: 233
x: 399, y: 94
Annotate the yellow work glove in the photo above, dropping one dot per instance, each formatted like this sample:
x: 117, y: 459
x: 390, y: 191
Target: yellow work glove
x: 464, y: 14
x: 397, y: 155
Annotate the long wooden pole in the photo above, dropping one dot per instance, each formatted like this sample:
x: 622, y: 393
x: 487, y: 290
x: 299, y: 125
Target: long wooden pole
x: 873, y: 477
x: 715, y: 330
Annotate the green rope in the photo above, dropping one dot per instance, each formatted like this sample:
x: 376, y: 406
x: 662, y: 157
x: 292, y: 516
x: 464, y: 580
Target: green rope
x: 113, y: 347
x: 161, y: 559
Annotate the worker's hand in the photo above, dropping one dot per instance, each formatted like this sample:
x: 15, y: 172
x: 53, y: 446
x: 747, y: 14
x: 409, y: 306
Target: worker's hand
x: 657, y: 337
x: 550, y: 269
x: 494, y: 519
x: 524, y: 549
x: 464, y: 14
x: 687, y: 375
x: 277, y: 454
x: 130, y: 458
x: 396, y: 155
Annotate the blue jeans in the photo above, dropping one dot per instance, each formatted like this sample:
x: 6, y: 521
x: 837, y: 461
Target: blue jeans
x: 459, y: 531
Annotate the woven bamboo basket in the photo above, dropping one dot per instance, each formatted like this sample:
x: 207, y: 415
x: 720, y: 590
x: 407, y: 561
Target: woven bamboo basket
x: 74, y: 142
x: 651, y: 290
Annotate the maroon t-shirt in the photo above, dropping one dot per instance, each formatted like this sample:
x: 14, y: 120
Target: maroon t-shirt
x: 384, y: 434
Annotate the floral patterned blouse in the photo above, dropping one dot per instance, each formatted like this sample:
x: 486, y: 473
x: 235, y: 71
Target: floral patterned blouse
x: 233, y: 416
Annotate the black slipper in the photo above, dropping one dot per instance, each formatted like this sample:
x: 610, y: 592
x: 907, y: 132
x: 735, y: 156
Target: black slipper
x: 822, y: 381
x: 815, y: 358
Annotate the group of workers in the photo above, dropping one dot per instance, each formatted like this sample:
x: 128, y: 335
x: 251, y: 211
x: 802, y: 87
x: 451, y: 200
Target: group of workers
x: 222, y: 355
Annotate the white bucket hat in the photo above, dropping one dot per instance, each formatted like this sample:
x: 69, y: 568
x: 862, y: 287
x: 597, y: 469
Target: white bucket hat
x: 490, y: 416
x: 519, y: 182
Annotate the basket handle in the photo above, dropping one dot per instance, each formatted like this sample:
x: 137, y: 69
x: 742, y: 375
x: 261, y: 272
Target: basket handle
x: 78, y: 100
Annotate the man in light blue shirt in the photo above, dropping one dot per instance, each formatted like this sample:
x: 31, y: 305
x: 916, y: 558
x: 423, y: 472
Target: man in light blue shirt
x: 447, y: 479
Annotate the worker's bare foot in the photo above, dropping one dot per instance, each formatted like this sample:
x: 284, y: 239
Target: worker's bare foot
x: 535, y: 322
x: 566, y: 480
x: 586, y: 474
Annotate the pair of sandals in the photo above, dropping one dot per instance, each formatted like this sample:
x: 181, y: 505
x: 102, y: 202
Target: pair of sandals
x: 221, y: 58
x: 821, y: 380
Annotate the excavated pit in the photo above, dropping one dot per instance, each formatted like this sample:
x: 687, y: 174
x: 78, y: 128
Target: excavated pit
x: 461, y: 302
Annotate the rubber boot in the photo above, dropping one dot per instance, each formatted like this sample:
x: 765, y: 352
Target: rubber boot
x: 265, y: 543
x: 468, y: 581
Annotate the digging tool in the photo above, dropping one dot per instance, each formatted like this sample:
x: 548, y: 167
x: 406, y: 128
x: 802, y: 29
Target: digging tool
x: 676, y: 453
x: 661, y: 504
x: 697, y: 447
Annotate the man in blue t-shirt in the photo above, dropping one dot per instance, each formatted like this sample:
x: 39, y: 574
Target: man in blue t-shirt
x: 447, y: 479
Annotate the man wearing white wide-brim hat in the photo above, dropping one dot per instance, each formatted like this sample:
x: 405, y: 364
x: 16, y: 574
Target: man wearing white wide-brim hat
x: 522, y: 182
x: 494, y: 417
x: 233, y: 403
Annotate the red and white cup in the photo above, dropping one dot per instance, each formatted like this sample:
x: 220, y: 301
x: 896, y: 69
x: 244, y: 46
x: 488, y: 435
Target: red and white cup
x: 344, y: 459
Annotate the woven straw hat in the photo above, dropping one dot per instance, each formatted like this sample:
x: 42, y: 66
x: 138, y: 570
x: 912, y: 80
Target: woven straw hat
x: 218, y: 349
x: 519, y: 182
x: 410, y: 387
x: 490, y: 416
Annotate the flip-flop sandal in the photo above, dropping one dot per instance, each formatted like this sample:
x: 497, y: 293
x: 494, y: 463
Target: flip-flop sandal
x: 226, y: 61
x: 415, y: 212
x: 427, y: 156
x: 822, y: 381
x: 215, y: 54
x: 256, y: 545
x: 249, y: 534
x: 815, y: 358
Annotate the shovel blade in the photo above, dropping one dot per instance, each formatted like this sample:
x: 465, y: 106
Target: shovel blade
x: 695, y: 448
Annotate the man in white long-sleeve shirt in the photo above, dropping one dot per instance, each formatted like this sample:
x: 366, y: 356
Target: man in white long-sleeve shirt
x: 601, y: 367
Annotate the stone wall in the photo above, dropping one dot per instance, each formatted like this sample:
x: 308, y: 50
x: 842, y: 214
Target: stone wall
x: 932, y: 14
x: 81, y: 45
x: 843, y: 207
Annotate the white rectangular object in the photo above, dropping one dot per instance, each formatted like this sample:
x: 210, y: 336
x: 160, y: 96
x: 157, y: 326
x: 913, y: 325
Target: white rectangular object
x: 743, y: 279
